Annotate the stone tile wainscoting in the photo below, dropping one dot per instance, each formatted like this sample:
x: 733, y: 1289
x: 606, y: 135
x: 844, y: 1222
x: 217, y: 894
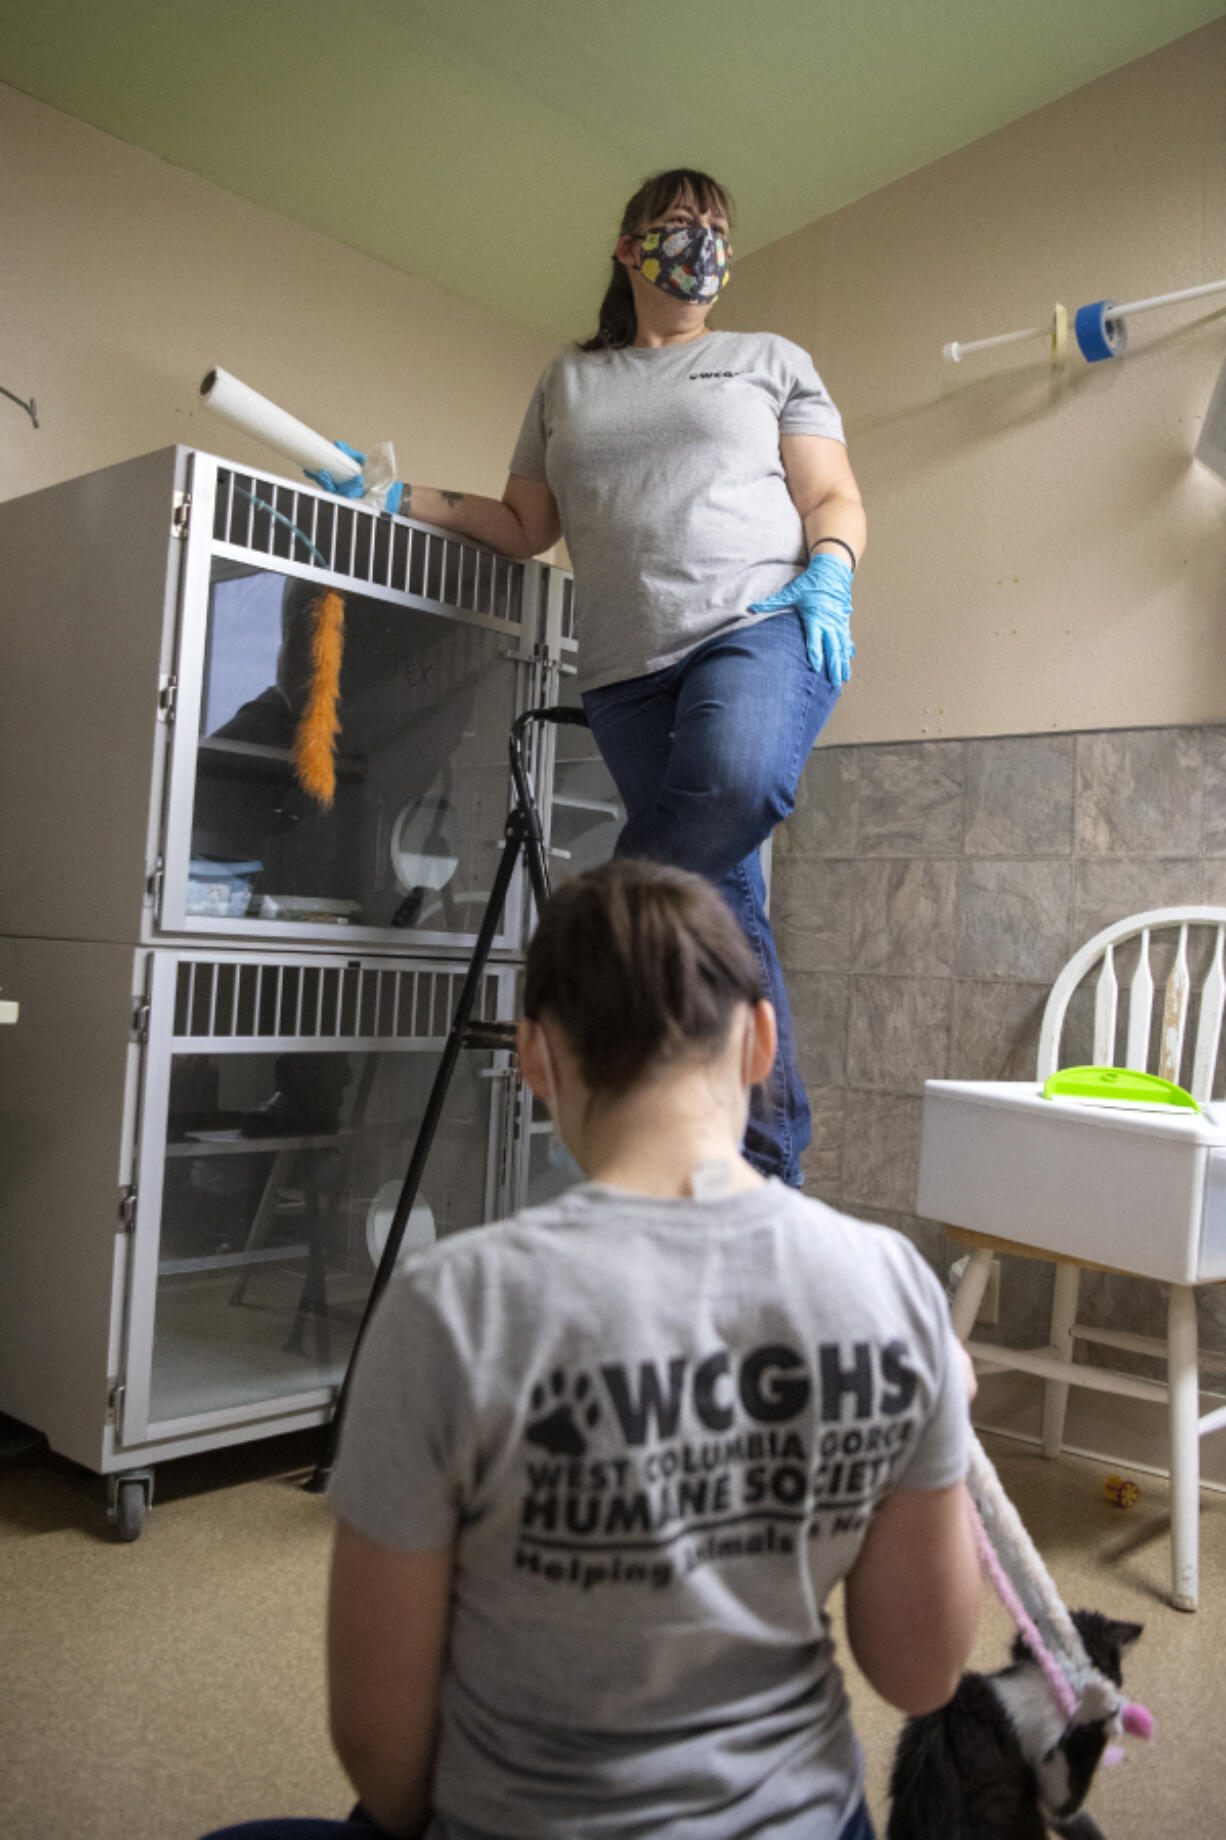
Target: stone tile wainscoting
x: 925, y: 896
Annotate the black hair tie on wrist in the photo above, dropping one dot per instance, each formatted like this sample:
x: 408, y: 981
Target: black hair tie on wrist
x: 847, y: 546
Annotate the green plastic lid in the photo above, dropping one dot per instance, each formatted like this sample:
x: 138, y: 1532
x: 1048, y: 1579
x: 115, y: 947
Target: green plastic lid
x: 1117, y: 1086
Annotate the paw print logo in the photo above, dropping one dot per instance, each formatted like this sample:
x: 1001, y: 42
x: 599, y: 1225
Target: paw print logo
x: 561, y: 1414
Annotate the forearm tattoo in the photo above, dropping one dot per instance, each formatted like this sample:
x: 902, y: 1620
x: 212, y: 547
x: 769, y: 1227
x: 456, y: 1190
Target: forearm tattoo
x: 452, y: 498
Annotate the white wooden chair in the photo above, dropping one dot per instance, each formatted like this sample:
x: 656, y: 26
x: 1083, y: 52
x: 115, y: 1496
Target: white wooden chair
x: 1055, y: 1364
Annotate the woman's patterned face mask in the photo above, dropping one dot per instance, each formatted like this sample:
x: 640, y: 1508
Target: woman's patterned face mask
x: 690, y: 261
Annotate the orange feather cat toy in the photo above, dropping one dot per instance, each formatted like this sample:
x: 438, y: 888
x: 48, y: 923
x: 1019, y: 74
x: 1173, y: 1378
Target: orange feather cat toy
x: 314, y: 750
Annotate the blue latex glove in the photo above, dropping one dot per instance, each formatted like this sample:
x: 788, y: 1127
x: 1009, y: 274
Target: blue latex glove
x: 344, y: 488
x: 822, y: 598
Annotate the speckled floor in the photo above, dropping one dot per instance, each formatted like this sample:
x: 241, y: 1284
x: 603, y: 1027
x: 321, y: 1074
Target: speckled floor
x: 156, y: 1690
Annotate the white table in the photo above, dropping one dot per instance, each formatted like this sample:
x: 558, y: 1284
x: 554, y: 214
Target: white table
x: 1141, y: 1191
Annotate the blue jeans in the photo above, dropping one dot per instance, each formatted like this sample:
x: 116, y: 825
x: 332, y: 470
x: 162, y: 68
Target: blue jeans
x: 858, y: 1827
x: 707, y: 755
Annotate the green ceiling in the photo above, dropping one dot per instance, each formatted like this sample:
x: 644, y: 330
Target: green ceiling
x: 488, y: 145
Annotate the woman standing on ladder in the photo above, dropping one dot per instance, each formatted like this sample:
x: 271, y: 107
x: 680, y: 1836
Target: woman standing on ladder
x: 702, y: 484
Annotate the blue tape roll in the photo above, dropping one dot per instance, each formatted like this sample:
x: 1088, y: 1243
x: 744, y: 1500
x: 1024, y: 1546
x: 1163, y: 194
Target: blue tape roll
x: 1098, y: 335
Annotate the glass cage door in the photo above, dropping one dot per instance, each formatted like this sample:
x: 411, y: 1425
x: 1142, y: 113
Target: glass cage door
x: 407, y: 844
x: 282, y: 1102
x: 585, y: 812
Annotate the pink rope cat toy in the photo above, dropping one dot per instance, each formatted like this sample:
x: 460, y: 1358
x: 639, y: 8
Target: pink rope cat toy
x: 1026, y: 1588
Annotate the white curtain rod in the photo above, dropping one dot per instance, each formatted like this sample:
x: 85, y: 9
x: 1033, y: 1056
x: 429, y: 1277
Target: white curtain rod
x: 1057, y: 329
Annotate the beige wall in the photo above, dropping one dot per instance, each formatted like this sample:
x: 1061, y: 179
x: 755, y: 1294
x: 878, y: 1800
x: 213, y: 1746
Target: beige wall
x: 124, y: 279
x: 1043, y: 553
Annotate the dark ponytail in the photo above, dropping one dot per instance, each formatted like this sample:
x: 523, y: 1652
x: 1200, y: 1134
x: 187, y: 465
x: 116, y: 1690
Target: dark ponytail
x: 640, y: 965
x: 618, y: 323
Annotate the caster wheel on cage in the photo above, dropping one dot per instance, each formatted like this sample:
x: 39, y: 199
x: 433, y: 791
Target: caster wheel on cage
x: 129, y: 1498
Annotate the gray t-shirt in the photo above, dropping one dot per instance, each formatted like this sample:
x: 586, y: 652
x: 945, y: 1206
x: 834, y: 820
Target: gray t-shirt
x: 656, y: 1432
x: 666, y: 470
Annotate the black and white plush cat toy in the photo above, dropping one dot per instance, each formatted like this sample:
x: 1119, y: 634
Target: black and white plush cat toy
x: 1000, y: 1761
x: 1013, y: 1754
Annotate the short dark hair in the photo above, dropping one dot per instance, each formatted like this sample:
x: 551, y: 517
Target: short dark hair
x: 640, y: 965
x: 618, y: 322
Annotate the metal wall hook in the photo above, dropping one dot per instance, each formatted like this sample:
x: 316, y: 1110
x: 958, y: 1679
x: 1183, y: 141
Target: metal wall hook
x: 956, y: 350
x: 31, y: 407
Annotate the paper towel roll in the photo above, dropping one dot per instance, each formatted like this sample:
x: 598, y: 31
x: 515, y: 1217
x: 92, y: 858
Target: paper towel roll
x: 255, y: 415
